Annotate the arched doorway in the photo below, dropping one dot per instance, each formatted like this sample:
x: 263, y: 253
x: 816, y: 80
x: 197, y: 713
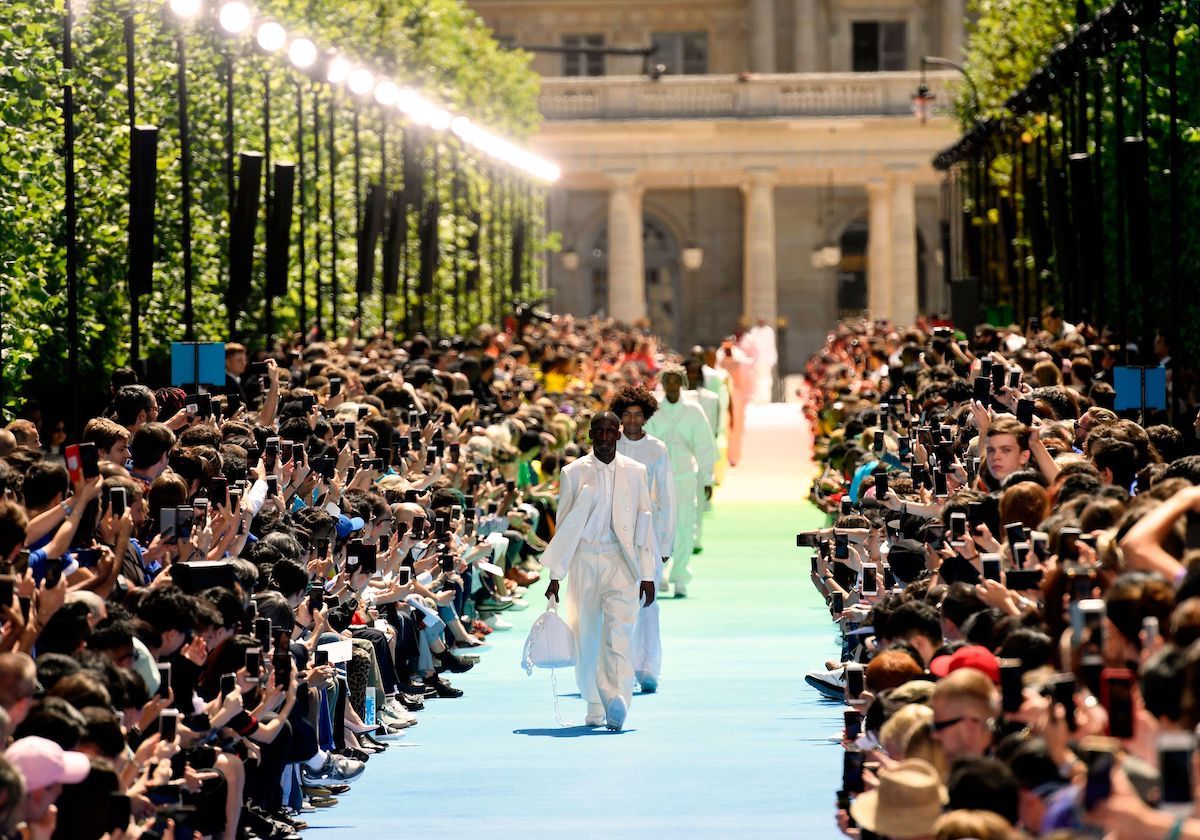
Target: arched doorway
x: 661, y: 258
x: 853, y: 271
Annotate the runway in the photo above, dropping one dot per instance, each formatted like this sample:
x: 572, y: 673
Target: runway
x: 734, y: 744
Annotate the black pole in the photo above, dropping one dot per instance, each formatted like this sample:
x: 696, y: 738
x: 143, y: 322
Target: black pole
x: 229, y: 187
x: 316, y: 94
x: 129, y: 32
x: 1119, y: 177
x: 436, y: 186
x: 383, y: 186
x: 268, y: 294
x: 303, y: 210
x: 333, y: 234
x: 455, y: 188
x: 72, y: 217
x: 185, y: 184
x: 358, y: 210
x: 1174, y: 298
x: 1099, y: 309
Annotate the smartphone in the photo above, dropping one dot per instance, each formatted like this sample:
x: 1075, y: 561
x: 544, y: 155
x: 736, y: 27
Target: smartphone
x: 402, y: 446
x: 985, y: 367
x: 235, y: 498
x: 1014, y: 378
x: 185, y: 516
x: 335, y: 386
x: 1011, y: 689
x: 855, y: 680
x: 841, y: 546
x: 1014, y: 532
x: 881, y: 485
x: 1098, y: 787
x: 74, y: 465
x: 262, y: 632
x: 253, y: 456
x: 939, y: 484
x: 8, y: 585
x: 253, y: 662
x: 320, y: 658
x: 838, y: 604
x: 1023, y: 579
x: 1150, y: 631
x: 53, y: 567
x: 1040, y: 543
x: 404, y: 576
x: 385, y: 542
x: 418, y: 526
x: 87, y: 558
x: 281, y: 664
x: 1062, y: 690
x: 879, y: 437
x: 991, y: 566
x: 999, y: 372
x: 853, y: 723
x: 272, y: 485
x: 1067, y: 539
x: 168, y: 725
x: 1116, y: 695
x: 117, y: 501
x: 368, y: 558
x: 414, y: 419
x: 364, y: 445
x: 869, y: 579
x: 889, y: 578
x: 1175, y: 770
x: 847, y: 505
x: 1088, y: 616
x: 164, y: 679
x: 983, y: 390
x: 228, y: 684
x: 975, y: 514
x: 905, y: 447
x: 852, y: 771
x: 447, y: 562
x: 119, y: 812
x: 958, y: 525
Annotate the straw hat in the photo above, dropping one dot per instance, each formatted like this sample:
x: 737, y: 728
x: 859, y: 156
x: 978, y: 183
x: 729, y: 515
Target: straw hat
x: 906, y: 804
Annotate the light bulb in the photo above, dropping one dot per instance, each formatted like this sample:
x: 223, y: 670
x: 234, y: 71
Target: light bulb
x: 235, y: 17
x: 271, y: 36
x: 302, y: 53
x: 386, y: 92
x: 339, y: 69
x: 360, y: 80
x: 185, y: 8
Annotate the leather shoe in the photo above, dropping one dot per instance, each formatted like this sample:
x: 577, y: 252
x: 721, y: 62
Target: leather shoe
x: 443, y: 689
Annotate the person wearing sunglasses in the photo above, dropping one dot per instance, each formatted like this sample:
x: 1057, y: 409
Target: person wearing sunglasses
x: 964, y: 705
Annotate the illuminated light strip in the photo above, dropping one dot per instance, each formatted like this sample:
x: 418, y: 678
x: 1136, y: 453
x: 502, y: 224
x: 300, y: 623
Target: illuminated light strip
x: 235, y: 18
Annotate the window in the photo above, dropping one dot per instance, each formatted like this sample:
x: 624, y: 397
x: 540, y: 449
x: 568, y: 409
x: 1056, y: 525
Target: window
x: 879, y: 45
x: 582, y: 63
x: 682, y: 53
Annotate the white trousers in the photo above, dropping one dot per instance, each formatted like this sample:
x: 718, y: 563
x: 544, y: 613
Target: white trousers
x: 687, y: 511
x: 602, y: 598
x: 647, y: 638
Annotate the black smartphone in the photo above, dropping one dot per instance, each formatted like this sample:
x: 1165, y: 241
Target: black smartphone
x: 228, y: 684
x: 335, y: 386
x: 368, y: 558
x: 119, y: 812
x: 257, y: 369
x: 983, y: 389
x: 272, y: 485
x: 852, y: 771
x: 404, y: 576
x: 1010, y: 685
x: 855, y: 680
x: 1067, y: 539
x: 838, y: 604
x: 184, y: 519
x: 841, y: 546
x: 253, y: 456
x: 262, y: 632
x: 879, y: 438
x: 807, y: 539
x: 939, y: 484
x: 87, y: 558
x: 168, y: 725
x: 1098, y: 787
x: 418, y: 526
x: 8, y: 585
x: 853, y: 723
x: 1014, y: 378
x: 53, y: 567
x: 1014, y: 532
x: 117, y: 501
x: 281, y: 664
x: 447, y: 562
x: 999, y: 372
x: 320, y: 657
x: 1116, y: 695
x: 985, y: 367
x: 847, y: 505
x: 164, y: 679
x: 975, y: 514
x: 958, y: 525
x: 991, y: 567
x: 1023, y: 579
x: 889, y: 578
x: 218, y: 487
x: 1063, y: 693
x: 881, y: 485
x: 869, y: 579
x: 905, y: 447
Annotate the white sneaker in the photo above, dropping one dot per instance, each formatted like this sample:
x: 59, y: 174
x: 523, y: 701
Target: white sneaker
x: 519, y: 604
x: 680, y: 591
x: 497, y: 623
x: 831, y: 683
x: 615, y: 713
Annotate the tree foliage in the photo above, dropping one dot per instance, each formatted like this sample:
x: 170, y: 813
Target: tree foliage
x: 438, y: 46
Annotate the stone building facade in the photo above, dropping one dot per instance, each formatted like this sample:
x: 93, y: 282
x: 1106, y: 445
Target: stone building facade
x: 763, y: 161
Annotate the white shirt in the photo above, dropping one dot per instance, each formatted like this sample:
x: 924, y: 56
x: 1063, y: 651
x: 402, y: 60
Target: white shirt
x: 652, y: 454
x: 599, y: 527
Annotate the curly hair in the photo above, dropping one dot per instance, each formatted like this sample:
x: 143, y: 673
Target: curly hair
x: 631, y: 395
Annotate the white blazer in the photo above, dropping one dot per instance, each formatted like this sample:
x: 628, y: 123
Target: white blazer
x: 631, y: 515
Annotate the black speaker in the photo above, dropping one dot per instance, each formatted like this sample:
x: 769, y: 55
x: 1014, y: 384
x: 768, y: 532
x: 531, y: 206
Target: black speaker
x: 279, y: 228
x: 143, y: 184
x: 1086, y: 213
x: 393, y: 240
x: 430, y: 251
x: 242, y: 228
x: 368, y: 237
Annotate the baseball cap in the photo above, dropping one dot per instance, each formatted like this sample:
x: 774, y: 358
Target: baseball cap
x: 43, y: 763
x: 347, y: 525
x: 969, y: 656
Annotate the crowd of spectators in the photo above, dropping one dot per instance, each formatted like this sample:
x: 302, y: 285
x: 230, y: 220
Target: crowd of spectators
x: 1014, y: 571
x: 218, y: 606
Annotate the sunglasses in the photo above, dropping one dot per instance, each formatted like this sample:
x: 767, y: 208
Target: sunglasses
x: 941, y: 725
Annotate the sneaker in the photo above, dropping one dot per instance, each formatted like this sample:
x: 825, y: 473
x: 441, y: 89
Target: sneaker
x: 519, y: 604
x: 447, y: 661
x: 830, y: 683
x: 648, y: 682
x: 680, y: 590
x: 336, y: 767
x: 495, y: 605
x: 498, y: 623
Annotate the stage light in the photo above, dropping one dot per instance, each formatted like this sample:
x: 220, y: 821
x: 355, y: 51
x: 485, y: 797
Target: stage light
x: 271, y: 36
x: 235, y: 17
x: 439, y: 119
x: 302, y: 53
x: 185, y: 8
x: 339, y: 70
x: 386, y: 92
x: 360, y: 81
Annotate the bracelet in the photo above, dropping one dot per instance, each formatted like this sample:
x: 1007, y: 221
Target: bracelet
x: 66, y: 508
x: 1176, y: 830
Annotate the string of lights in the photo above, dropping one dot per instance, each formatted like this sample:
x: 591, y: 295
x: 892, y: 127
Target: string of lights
x: 237, y: 18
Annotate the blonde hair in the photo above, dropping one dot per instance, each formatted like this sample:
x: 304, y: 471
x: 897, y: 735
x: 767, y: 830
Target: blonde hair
x: 896, y: 732
x: 976, y: 825
x: 968, y: 685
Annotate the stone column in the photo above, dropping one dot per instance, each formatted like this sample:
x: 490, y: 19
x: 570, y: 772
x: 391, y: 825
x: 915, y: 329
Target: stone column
x: 879, y: 248
x: 953, y: 23
x: 626, y: 265
x: 762, y: 36
x: 806, y: 37
x: 759, y: 284
x: 904, y: 246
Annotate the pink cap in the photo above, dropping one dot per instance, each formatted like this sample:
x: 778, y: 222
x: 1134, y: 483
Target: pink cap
x: 43, y: 763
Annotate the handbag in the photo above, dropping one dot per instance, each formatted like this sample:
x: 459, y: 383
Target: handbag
x: 550, y: 644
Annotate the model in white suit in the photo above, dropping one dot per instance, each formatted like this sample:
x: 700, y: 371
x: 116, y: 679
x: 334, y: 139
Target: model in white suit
x: 635, y: 406
x: 603, y: 547
x: 684, y: 428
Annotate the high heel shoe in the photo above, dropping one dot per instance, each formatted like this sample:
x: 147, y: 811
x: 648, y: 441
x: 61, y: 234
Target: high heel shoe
x: 360, y: 728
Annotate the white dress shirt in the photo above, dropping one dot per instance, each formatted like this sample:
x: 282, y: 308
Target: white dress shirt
x: 599, y: 527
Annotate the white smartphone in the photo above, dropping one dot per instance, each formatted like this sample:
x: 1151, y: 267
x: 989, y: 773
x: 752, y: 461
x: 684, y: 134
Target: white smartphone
x: 870, y: 579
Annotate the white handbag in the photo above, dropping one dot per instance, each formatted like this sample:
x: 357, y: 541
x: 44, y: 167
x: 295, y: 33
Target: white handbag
x: 550, y: 643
